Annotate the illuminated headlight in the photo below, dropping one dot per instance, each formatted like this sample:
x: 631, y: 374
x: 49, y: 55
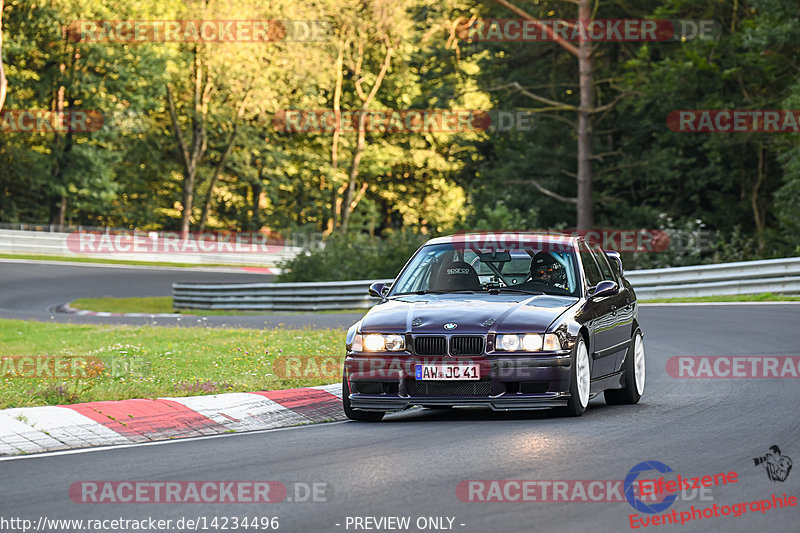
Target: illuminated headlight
x: 530, y: 342
x: 381, y: 343
x: 508, y: 343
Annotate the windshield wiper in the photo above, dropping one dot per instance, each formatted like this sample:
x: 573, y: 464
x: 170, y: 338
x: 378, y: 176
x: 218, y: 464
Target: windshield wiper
x: 431, y: 291
x: 511, y: 289
x: 418, y: 292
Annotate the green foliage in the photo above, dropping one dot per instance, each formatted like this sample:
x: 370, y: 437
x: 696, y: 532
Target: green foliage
x: 501, y: 217
x: 726, y: 179
x: 353, y: 256
x: 744, y: 187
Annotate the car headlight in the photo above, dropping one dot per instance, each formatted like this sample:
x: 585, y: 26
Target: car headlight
x: 358, y: 343
x: 529, y: 342
x: 383, y: 343
x: 508, y: 343
x: 552, y: 343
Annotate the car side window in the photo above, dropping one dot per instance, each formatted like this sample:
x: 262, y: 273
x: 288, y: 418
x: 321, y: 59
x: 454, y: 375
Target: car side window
x: 605, y: 267
x: 590, y: 268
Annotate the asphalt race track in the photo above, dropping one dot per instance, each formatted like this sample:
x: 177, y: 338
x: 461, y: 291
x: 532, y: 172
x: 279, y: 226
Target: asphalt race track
x: 410, y: 464
x: 31, y: 291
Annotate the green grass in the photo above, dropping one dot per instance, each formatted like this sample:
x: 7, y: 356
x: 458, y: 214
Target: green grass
x: 163, y: 304
x: 156, y: 361
x: 35, y: 257
x: 762, y: 297
x: 155, y: 305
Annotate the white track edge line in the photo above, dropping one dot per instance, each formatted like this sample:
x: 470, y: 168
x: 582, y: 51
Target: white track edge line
x: 159, y: 442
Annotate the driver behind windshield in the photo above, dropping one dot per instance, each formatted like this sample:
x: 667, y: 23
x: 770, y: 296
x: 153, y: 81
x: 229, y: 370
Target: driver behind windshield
x: 545, y: 269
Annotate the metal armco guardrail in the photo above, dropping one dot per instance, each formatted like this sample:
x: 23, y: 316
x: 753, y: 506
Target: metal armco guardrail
x: 745, y: 277
x: 57, y: 244
x: 749, y: 277
x: 326, y: 295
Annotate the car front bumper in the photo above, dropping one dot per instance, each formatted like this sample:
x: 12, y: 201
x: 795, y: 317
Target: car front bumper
x: 507, y: 383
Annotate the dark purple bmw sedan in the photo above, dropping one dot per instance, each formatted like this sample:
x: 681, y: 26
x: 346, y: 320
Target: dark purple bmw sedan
x: 499, y: 320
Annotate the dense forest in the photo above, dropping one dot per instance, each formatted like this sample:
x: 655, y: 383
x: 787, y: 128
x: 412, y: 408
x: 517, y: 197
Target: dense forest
x: 194, y: 133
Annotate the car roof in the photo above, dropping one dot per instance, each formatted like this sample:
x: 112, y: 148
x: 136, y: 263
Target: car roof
x: 511, y: 238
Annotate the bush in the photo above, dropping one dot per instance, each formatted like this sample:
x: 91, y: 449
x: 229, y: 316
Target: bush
x: 353, y: 256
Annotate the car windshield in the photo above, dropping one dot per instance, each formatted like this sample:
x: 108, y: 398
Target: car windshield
x: 454, y: 267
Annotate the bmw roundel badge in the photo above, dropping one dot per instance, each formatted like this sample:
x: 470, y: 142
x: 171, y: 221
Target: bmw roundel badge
x: 450, y: 325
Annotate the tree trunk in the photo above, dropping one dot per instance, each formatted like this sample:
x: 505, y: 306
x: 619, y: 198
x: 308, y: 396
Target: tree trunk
x: 213, y: 182
x: 351, y: 183
x: 187, y: 200
x: 58, y: 209
x: 62, y: 213
x: 583, y: 52
x: 255, y: 220
x: 585, y: 212
x: 333, y: 221
x: 3, y: 80
x: 192, y: 157
x: 221, y: 164
x: 350, y: 200
x: 759, y: 217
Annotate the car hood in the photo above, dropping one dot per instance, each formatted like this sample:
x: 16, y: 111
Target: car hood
x: 473, y: 313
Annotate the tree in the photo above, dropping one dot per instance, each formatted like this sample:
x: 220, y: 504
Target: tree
x: 3, y: 80
x: 248, y: 174
x: 192, y: 153
x: 583, y: 52
x: 373, y: 25
x: 728, y: 180
x: 230, y: 84
x: 60, y: 176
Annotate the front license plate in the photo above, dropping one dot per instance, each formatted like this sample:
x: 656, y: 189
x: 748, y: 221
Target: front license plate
x: 447, y: 372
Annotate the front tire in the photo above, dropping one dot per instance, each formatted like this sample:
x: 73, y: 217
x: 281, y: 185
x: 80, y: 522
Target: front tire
x: 356, y: 414
x: 580, y: 381
x: 634, y: 375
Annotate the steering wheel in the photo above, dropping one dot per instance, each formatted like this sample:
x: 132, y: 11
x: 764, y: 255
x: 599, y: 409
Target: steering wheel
x: 546, y: 287
x: 494, y: 270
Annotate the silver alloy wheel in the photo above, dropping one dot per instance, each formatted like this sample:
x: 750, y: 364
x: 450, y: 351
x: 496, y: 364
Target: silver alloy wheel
x: 638, y: 363
x: 582, y: 374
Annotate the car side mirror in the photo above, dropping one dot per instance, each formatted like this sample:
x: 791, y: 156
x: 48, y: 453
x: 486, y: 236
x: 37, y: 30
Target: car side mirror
x: 605, y: 288
x: 377, y: 289
x: 616, y: 259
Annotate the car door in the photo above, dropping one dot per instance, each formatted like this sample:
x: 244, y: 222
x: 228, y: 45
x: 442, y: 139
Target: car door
x: 599, y: 315
x: 621, y: 310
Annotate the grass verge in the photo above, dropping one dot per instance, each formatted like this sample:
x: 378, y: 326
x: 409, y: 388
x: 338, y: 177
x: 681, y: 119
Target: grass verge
x: 121, y: 362
x: 154, y: 305
x: 163, y: 304
x: 762, y: 297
